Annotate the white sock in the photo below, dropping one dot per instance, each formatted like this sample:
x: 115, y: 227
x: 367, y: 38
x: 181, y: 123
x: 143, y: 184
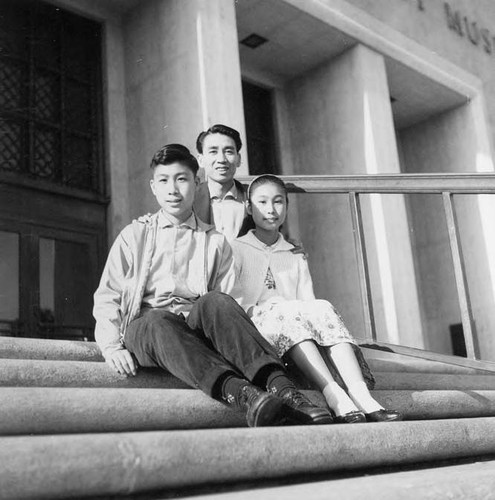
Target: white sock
x: 338, y: 400
x: 359, y: 393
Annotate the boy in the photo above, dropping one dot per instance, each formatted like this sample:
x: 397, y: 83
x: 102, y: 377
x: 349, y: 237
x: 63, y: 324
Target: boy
x: 162, y: 301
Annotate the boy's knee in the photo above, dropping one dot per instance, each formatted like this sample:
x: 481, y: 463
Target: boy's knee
x: 217, y: 299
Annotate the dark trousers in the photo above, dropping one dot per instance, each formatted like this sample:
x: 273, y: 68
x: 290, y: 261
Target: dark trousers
x: 216, y: 338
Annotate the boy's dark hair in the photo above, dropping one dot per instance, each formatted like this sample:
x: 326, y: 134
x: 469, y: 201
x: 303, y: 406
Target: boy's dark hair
x: 172, y: 153
x: 219, y: 129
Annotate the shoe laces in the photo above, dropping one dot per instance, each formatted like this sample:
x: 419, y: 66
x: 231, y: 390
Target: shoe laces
x: 296, y: 399
x: 247, y: 395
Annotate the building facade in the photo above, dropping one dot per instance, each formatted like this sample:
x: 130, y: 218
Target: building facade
x: 315, y: 87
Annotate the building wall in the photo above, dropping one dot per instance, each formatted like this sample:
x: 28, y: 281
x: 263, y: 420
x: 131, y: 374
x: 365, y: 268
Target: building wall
x: 341, y: 123
x: 448, y: 143
x: 455, y: 141
x: 172, y: 68
x: 461, y: 31
x: 182, y: 74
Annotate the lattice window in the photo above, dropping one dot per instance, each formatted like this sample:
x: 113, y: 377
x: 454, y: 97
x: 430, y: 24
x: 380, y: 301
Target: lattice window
x: 50, y: 94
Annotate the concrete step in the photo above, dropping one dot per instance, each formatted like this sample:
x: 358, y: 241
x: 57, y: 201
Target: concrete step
x: 54, y: 410
x: 47, y: 410
x: 66, y: 350
x: 432, y: 381
x: 44, y: 373
x: 69, y: 350
x: 400, y: 363
x: 129, y: 463
x: 473, y: 481
x: 427, y: 405
x: 40, y: 373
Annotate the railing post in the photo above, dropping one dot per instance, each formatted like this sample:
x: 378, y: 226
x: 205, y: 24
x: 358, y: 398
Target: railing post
x: 362, y: 264
x: 460, y: 277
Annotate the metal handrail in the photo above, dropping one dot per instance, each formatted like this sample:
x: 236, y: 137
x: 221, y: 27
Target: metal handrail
x: 482, y: 183
x: 446, y: 185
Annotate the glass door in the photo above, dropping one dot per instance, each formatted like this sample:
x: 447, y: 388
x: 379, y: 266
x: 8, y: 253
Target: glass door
x: 10, y: 323
x: 66, y: 289
x: 47, y: 281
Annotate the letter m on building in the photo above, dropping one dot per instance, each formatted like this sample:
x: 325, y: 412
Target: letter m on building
x: 453, y: 19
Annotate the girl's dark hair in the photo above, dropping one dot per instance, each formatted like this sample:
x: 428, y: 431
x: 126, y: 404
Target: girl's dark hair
x: 266, y: 179
x: 172, y: 153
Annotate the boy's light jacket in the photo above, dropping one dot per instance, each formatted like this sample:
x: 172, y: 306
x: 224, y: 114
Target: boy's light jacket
x: 117, y: 301
x: 253, y: 258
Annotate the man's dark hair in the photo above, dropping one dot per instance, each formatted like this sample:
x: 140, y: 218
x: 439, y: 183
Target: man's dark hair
x: 175, y: 153
x: 219, y: 129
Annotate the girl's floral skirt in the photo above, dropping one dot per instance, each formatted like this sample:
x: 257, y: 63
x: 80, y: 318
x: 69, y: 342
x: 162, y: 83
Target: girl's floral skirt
x: 285, y: 324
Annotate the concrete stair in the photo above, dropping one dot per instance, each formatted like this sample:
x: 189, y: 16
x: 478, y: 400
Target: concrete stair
x: 71, y: 428
x: 50, y: 373
x: 454, y: 482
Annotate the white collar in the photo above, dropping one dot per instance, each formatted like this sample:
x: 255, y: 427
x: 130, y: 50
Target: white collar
x: 233, y: 192
x: 164, y: 221
x: 281, y: 245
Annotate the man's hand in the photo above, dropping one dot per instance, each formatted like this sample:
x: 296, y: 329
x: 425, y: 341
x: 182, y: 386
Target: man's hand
x: 298, y: 248
x: 122, y: 362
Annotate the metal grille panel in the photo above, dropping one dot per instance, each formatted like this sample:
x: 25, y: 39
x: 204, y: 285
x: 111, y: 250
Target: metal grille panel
x: 11, y: 140
x: 47, y: 44
x: 50, y: 94
x: 46, y: 154
x: 11, y: 86
x: 78, y: 115
x: 78, y: 166
x: 46, y: 96
x: 13, y: 29
x: 82, y: 41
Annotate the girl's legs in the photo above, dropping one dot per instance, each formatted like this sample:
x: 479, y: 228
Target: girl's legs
x: 308, y: 359
x: 343, y: 357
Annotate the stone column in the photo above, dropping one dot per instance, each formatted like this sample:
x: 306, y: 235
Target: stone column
x: 341, y: 123
x: 117, y: 174
x: 182, y: 75
x: 454, y: 141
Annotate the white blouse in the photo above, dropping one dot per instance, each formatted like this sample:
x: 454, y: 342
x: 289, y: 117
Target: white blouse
x: 252, y: 260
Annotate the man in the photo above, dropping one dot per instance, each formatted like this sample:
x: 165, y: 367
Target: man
x: 220, y: 200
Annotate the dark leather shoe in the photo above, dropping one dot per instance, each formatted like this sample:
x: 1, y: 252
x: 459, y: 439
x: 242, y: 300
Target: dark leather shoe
x: 353, y: 417
x: 300, y: 410
x: 262, y: 409
x: 383, y: 416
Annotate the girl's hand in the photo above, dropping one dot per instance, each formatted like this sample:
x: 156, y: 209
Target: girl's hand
x: 298, y: 248
x: 122, y: 362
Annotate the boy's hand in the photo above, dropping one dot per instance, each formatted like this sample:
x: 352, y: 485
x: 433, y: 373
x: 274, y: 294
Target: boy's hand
x: 298, y: 248
x: 122, y: 362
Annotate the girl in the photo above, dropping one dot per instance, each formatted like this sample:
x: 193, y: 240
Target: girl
x: 276, y: 290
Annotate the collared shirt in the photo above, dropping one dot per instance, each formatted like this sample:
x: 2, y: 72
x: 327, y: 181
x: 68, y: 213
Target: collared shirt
x: 174, y: 283
x: 228, y: 212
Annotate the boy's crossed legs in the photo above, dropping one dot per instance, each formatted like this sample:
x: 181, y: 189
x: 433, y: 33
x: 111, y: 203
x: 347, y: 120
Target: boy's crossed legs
x: 218, y: 350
